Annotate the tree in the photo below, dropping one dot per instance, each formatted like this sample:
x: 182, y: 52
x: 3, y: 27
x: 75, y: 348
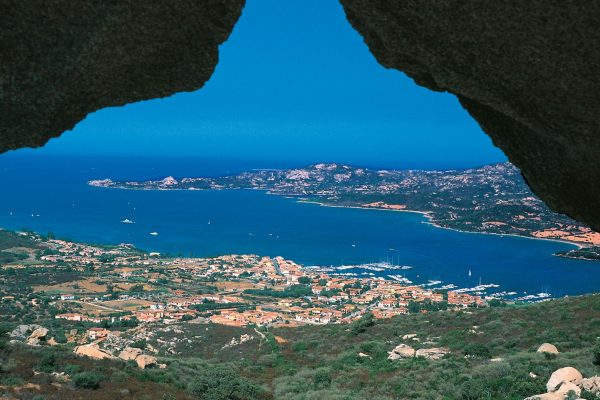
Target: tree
x: 305, y: 280
x: 361, y: 325
x: 137, y: 288
x: 414, y: 307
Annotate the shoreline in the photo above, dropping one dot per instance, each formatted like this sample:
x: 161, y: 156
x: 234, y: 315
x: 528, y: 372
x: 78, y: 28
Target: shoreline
x: 430, y: 221
x: 426, y: 214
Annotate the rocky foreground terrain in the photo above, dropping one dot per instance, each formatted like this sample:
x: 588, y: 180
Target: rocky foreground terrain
x: 491, y: 199
x: 546, y: 351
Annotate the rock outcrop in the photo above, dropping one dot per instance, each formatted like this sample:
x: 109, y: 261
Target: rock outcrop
x: 547, y: 348
x: 563, y: 375
x: 591, y: 385
x: 526, y: 71
x: 130, y: 353
x: 236, y: 342
x: 24, y: 331
x: 93, y: 351
x: 434, y: 353
x: 142, y: 360
x: 567, y: 388
x: 401, y: 351
x: 63, y: 60
x: 31, y: 334
x: 38, y: 335
x: 405, y: 351
x: 566, y: 382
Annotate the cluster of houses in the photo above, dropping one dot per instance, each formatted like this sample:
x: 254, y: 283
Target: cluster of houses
x: 258, y: 317
x: 330, y: 298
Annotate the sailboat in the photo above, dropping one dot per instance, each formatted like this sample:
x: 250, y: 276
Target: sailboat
x: 209, y: 222
x: 469, y: 272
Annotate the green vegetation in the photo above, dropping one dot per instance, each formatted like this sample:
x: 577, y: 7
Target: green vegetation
x: 304, y: 280
x: 87, y: 380
x: 219, y: 306
x: 343, y: 361
x: 585, y: 253
x: 290, y: 291
x: 223, y: 384
x: 137, y: 288
x: 140, y: 344
x: 492, y: 350
x: 361, y: 325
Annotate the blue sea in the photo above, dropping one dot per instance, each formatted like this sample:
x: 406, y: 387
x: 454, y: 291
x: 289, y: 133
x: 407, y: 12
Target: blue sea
x: 50, y: 194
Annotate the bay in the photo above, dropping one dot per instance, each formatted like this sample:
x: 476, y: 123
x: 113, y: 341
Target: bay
x: 50, y: 194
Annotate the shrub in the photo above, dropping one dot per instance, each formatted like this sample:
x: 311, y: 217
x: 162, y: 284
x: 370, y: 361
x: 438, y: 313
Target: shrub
x: 139, y: 344
x: 290, y: 291
x: 571, y: 395
x: 72, y: 369
x: 300, y: 347
x: 322, y: 378
x: 477, y: 350
x: 305, y: 280
x: 361, y: 325
x: 137, y: 288
x: 60, y: 337
x: 497, y: 303
x: 222, y: 384
x: 87, y: 380
x: 596, y: 355
x: 47, y: 362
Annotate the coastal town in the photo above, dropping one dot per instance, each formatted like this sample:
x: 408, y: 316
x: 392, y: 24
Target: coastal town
x: 120, y: 282
x: 80, y: 317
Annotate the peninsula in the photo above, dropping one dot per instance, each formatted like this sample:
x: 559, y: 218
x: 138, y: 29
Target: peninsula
x: 491, y: 199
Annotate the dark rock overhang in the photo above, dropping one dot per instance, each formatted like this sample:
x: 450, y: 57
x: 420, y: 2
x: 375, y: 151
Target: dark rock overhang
x: 526, y: 71
x: 61, y: 60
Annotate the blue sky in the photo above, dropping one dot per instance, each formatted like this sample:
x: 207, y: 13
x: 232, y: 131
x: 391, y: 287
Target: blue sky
x: 294, y: 82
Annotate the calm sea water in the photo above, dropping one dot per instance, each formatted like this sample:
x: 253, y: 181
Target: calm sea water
x: 50, y: 194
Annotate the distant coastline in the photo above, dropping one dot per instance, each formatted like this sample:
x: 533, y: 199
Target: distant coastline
x: 427, y: 214
x: 430, y: 221
x: 492, y: 199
